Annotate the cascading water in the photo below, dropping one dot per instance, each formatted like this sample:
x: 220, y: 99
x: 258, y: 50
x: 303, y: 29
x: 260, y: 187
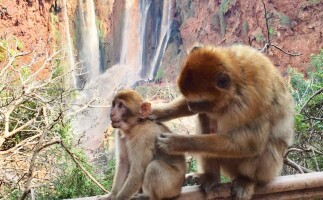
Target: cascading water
x: 69, y: 46
x: 163, y: 39
x: 89, y: 53
x: 127, y: 72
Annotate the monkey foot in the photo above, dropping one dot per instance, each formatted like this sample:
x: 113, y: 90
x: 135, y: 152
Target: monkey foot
x: 207, y: 181
x: 106, y: 197
x: 140, y: 197
x: 193, y: 178
x: 242, y: 189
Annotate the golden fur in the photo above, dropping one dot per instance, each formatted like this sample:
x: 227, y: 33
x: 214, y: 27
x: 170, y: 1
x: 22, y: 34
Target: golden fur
x: 139, y: 163
x: 239, y: 95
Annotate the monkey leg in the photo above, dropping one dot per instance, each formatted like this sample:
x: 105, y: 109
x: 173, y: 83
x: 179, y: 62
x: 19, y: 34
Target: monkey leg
x: 162, y: 181
x: 246, y: 172
x: 210, y: 172
x: 209, y: 167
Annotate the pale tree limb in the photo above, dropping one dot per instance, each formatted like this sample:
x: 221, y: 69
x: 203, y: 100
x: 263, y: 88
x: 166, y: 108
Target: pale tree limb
x: 75, y: 159
x: 309, y: 99
x: 310, y: 149
x: 296, y: 166
x: 33, y: 158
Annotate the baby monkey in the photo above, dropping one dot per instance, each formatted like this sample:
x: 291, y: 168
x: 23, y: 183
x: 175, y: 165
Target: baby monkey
x: 139, y: 163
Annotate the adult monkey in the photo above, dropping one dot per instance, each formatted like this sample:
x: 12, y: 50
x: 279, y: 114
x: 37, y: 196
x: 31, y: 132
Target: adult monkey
x: 241, y: 97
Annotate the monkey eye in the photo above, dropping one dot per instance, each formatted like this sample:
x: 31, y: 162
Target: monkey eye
x: 120, y: 105
x: 222, y: 80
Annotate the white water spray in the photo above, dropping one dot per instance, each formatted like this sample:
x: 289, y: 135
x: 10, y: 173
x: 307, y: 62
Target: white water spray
x: 163, y: 39
x: 69, y: 45
x: 90, y: 52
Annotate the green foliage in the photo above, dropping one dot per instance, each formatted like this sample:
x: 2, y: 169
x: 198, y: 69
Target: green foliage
x: 192, y: 167
x: 73, y: 182
x: 224, y: 8
x: 285, y: 20
x: 314, y: 2
x: 20, y: 44
x: 223, y: 24
x: 5, y: 46
x: 304, y: 88
x: 260, y: 37
x: 189, y: 2
x: 14, y: 195
x: 25, y: 72
x: 245, y: 27
x: 309, y: 111
x: 224, y: 179
x: 160, y: 73
x: 225, y: 5
x: 272, y: 31
x: 101, y: 29
x: 57, y: 33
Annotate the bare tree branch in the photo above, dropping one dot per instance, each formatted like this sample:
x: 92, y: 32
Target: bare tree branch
x: 309, y: 99
x: 296, y: 166
x: 75, y: 159
x: 268, y: 43
x: 34, y: 157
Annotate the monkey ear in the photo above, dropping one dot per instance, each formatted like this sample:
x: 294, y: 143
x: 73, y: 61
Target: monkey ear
x: 195, y: 47
x: 145, y: 109
x: 222, y: 80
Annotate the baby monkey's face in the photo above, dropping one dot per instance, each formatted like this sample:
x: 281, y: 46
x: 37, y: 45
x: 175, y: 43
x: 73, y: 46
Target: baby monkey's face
x: 118, y: 113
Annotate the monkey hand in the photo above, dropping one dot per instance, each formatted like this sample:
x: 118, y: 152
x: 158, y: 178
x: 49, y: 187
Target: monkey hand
x: 156, y: 114
x: 170, y: 143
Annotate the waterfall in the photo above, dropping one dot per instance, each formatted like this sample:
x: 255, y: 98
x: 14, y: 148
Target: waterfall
x: 145, y: 5
x: 69, y: 46
x: 89, y: 53
x: 133, y: 38
x: 163, y: 39
x: 127, y: 71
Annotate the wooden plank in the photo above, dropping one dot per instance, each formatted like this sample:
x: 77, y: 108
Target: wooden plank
x: 283, y: 186
x: 292, y: 187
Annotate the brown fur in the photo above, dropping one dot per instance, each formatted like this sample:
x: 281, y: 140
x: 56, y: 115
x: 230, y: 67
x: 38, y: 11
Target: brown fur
x: 241, y: 96
x: 140, y: 164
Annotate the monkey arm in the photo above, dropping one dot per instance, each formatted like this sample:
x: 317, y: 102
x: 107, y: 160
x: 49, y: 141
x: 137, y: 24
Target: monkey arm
x: 244, y: 142
x: 172, y: 110
x: 122, y: 164
x: 132, y: 184
x: 140, y: 156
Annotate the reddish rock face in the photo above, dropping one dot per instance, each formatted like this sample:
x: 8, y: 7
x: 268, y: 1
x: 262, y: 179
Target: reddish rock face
x: 295, y: 25
x: 26, y: 21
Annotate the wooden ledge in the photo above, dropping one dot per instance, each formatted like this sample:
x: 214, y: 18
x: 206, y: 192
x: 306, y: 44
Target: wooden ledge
x: 300, y: 186
x: 292, y: 187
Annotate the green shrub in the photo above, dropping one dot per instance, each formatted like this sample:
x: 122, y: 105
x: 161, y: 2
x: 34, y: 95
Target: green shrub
x: 309, y: 111
x: 285, y: 20
x: 272, y: 31
x: 260, y: 37
x: 223, y: 23
x: 245, y: 27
